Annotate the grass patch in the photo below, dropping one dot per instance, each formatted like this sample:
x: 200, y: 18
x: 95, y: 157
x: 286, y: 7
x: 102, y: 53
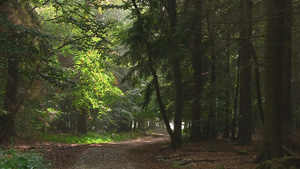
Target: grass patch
x: 16, y: 159
x: 89, y: 138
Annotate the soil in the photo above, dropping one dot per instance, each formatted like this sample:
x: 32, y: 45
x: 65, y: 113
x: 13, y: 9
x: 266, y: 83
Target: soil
x: 149, y: 152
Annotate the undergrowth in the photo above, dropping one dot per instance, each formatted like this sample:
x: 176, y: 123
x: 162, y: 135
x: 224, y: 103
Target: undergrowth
x: 15, y: 159
x: 89, y: 138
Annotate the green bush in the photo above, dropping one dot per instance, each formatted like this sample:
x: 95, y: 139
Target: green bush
x: 15, y: 159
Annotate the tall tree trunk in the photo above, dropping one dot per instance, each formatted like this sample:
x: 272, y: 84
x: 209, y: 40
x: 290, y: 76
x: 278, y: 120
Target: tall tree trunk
x: 197, y: 77
x: 212, y: 119
x: 286, y: 86
x: 155, y: 79
x: 134, y: 124
x: 11, y: 90
x: 196, y: 105
x: 213, y: 114
x: 257, y: 85
x: 178, y: 103
x: 236, y: 100
x: 172, y: 12
x: 10, y: 102
x: 272, y: 138
x: 227, y: 101
x: 160, y: 102
x: 245, y: 70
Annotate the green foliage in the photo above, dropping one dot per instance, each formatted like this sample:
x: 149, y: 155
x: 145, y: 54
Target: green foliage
x: 90, y: 138
x: 16, y: 159
x: 96, y: 85
x: 79, y: 54
x: 70, y: 47
x: 32, y: 48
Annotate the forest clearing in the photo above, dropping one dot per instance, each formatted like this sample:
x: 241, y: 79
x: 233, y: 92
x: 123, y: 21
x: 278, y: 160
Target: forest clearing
x: 88, y: 83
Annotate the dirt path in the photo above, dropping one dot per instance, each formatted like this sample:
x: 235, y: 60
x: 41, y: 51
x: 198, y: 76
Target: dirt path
x: 116, y: 155
x: 149, y: 152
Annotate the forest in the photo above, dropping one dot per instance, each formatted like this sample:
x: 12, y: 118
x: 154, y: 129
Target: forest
x: 178, y: 83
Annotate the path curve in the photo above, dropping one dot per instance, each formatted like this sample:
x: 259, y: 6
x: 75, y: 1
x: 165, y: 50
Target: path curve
x: 116, y: 155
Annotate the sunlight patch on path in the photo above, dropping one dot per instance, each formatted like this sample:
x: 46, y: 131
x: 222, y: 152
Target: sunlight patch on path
x: 107, y: 158
x: 115, y: 155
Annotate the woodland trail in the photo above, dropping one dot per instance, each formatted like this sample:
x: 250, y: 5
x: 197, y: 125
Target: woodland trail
x: 148, y: 152
x: 117, y: 155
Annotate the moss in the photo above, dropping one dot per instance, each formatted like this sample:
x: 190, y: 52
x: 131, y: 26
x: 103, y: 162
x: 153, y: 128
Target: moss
x: 285, y: 162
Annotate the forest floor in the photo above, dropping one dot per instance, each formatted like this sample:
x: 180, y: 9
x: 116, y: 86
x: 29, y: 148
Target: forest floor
x: 150, y: 151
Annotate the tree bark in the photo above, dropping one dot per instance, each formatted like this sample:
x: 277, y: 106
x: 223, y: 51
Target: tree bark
x: 286, y: 86
x: 227, y: 94
x: 233, y: 131
x: 212, y: 130
x: 245, y: 70
x: 160, y: 102
x: 10, y: 102
x: 178, y: 103
x: 11, y: 90
x: 272, y: 138
x: 257, y: 85
x: 172, y: 13
x: 197, y: 77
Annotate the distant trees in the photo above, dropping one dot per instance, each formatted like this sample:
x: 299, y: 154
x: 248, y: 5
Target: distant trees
x: 206, y: 100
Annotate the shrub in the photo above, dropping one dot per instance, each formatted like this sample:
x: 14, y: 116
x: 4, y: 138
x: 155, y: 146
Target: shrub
x: 16, y: 159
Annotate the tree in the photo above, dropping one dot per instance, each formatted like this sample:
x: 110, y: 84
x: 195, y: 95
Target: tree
x: 16, y: 46
x: 197, y: 54
x: 10, y: 103
x: 212, y: 124
x: 85, y: 42
x: 272, y: 138
x: 148, y: 49
x: 175, y: 60
x: 156, y: 44
x: 245, y: 70
x: 287, y: 72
